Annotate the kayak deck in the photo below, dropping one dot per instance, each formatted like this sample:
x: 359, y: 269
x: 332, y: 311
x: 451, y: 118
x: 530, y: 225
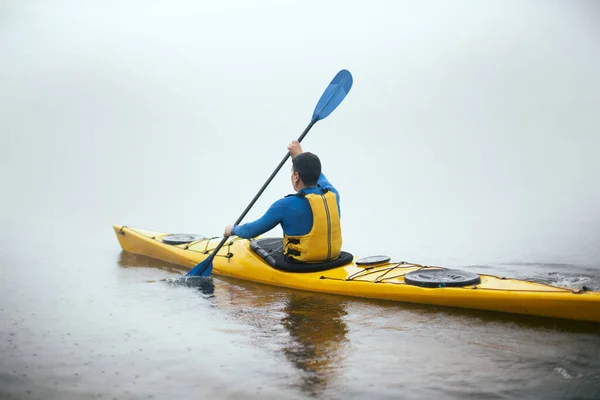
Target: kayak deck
x: 383, y: 281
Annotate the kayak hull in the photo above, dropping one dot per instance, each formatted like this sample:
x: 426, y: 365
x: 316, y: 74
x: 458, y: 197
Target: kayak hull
x: 384, y: 281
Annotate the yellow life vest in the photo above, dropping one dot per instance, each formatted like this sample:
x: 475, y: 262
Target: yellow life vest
x: 324, y: 241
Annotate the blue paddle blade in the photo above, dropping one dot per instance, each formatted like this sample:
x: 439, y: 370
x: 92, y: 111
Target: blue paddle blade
x: 333, y: 95
x: 203, y: 268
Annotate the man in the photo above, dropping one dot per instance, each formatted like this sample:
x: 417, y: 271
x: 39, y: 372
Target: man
x: 310, y: 219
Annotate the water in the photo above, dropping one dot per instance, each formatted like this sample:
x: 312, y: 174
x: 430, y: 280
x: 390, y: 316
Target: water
x: 469, y: 140
x: 80, y: 322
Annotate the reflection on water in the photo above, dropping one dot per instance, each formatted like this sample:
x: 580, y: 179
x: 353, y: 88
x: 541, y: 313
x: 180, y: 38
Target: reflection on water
x: 130, y: 260
x: 314, y: 325
x: 307, y: 329
x: 317, y: 337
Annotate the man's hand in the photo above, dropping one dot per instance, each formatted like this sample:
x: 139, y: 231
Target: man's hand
x: 228, y: 230
x: 294, y: 148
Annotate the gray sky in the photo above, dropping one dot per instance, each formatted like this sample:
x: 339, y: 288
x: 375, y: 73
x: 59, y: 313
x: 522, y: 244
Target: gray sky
x: 470, y: 134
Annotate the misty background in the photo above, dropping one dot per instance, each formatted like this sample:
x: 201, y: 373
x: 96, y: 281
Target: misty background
x: 469, y: 140
x: 470, y: 134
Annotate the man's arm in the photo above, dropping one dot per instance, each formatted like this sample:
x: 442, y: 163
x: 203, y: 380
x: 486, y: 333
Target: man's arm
x: 324, y: 183
x: 270, y: 220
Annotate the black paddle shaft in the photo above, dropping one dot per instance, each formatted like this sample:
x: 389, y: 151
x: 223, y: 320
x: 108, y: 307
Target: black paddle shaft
x: 262, y: 189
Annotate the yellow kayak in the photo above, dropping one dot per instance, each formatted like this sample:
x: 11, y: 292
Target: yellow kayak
x: 372, y: 277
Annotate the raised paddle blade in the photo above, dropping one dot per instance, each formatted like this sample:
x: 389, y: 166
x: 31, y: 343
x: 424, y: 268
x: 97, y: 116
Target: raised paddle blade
x: 333, y: 95
x: 202, y: 269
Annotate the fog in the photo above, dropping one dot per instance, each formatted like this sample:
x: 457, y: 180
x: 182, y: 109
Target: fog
x: 470, y: 134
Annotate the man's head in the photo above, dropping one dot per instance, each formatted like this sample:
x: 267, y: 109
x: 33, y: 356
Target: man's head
x: 306, y: 169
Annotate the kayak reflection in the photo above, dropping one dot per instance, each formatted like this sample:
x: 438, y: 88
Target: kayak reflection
x: 317, y: 337
x: 307, y: 328
x: 130, y: 260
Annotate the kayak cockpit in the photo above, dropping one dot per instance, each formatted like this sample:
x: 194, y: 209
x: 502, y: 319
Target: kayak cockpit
x: 271, y: 250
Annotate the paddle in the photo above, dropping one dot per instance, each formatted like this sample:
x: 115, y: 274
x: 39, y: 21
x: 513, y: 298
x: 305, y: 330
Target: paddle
x: 330, y: 99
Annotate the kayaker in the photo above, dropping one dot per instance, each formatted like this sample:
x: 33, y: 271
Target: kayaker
x: 310, y: 218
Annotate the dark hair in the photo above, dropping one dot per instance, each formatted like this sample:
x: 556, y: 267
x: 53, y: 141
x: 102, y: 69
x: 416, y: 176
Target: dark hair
x: 308, y: 166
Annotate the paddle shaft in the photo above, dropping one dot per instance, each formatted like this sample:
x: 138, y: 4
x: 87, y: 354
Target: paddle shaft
x: 262, y: 189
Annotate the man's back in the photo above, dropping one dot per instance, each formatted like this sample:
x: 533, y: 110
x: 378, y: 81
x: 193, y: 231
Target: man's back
x: 292, y: 212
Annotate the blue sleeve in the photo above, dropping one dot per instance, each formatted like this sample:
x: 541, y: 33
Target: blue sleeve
x: 270, y: 220
x: 324, y: 183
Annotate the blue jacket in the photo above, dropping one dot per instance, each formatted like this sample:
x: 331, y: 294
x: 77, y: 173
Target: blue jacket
x: 292, y: 212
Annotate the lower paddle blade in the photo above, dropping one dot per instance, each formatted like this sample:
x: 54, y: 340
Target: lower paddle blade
x: 333, y: 95
x: 202, y: 269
